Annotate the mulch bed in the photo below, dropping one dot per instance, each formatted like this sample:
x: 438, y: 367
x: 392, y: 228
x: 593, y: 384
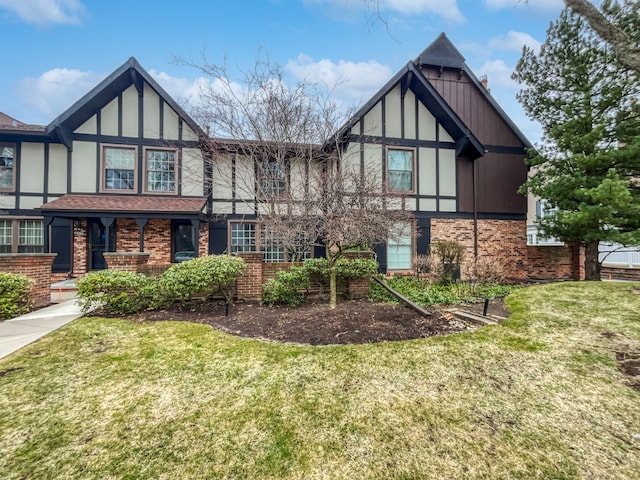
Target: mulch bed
x: 315, y: 324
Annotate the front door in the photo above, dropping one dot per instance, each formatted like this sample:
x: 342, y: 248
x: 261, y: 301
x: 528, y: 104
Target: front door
x: 97, y: 243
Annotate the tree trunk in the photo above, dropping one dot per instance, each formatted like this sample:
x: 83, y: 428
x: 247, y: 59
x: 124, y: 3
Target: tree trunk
x: 591, y: 264
x: 333, y: 289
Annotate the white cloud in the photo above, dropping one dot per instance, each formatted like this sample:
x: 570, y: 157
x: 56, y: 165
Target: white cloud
x: 498, y: 74
x: 352, y: 82
x: 43, y: 13
x: 447, y: 9
x: 56, y: 90
x: 514, y: 41
x: 542, y: 5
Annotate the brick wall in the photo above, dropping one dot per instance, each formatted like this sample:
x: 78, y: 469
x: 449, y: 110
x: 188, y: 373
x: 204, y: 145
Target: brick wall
x: 502, y: 240
x: 550, y: 262
x: 80, y: 248
x: 37, y: 267
x: 249, y: 285
x: 157, y: 239
x: 135, y: 262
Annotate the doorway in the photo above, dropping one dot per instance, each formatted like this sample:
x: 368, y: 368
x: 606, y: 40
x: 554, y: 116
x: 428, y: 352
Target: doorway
x: 97, y: 244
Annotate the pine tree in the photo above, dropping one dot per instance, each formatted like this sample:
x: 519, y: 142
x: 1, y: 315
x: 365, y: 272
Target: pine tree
x: 589, y: 163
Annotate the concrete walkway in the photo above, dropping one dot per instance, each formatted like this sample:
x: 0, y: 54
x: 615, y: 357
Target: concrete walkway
x: 21, y: 331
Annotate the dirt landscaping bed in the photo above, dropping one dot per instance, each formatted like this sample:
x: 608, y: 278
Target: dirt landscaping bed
x: 315, y: 324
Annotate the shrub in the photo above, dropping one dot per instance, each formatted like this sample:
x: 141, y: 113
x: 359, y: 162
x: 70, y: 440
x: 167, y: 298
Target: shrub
x: 427, y: 267
x: 450, y: 254
x: 345, y: 268
x: 14, y: 294
x: 119, y: 292
x: 488, y: 270
x: 356, y: 268
x: 286, y: 287
x: 202, y: 276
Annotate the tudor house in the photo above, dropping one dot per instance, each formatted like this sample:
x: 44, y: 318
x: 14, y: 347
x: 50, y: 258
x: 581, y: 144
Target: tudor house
x: 107, y: 175
x: 125, y: 169
x: 433, y: 134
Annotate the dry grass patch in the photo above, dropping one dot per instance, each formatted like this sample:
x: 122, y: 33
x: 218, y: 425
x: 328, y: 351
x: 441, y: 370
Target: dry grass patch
x: 539, y: 396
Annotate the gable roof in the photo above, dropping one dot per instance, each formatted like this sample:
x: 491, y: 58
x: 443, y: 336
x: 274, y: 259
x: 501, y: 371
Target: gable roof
x: 411, y: 77
x: 129, y: 73
x: 442, y: 53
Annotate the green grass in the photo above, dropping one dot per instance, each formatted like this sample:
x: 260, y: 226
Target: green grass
x: 538, y: 396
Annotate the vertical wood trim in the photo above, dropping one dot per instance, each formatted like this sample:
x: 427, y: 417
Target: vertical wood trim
x: 233, y: 183
x: 69, y: 170
x: 17, y: 172
x: 45, y: 183
x: 437, y: 167
x: 120, y: 114
x: 161, y: 117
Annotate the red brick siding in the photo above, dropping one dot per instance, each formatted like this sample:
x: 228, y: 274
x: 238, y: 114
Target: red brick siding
x: 135, y: 262
x: 35, y: 266
x: 502, y: 240
x: 555, y: 263
x: 80, y: 247
x: 249, y: 285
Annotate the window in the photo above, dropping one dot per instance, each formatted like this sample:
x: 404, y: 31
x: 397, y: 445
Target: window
x: 400, y: 170
x: 21, y: 236
x: 245, y: 237
x: 120, y: 169
x: 6, y: 236
x: 400, y: 248
x: 160, y: 170
x: 272, y: 176
x: 7, y: 159
x: 30, y: 236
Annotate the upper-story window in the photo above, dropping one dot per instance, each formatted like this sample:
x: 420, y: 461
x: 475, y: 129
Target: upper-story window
x: 119, y: 169
x: 7, y: 162
x: 272, y: 178
x: 160, y: 171
x: 400, y: 176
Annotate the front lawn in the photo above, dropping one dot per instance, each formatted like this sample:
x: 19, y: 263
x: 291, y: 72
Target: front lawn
x: 538, y: 396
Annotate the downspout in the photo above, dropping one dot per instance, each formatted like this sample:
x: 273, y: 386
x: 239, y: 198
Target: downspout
x: 475, y: 209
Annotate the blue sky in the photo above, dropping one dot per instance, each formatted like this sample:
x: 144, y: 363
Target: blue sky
x: 57, y: 50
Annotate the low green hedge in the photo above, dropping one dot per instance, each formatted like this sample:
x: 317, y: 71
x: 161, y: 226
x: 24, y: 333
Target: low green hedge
x: 15, y: 290
x: 121, y: 292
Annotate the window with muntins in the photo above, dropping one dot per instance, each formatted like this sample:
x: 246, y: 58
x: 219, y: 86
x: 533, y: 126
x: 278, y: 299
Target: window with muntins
x: 272, y: 178
x: 119, y: 169
x: 243, y: 237
x: 160, y: 168
x: 30, y: 236
x: 6, y: 236
x: 255, y: 237
x: 7, y: 161
x: 399, y: 170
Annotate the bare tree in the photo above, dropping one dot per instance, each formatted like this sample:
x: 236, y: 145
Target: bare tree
x: 279, y: 147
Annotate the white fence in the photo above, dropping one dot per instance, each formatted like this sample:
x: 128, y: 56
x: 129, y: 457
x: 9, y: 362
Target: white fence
x: 615, y: 255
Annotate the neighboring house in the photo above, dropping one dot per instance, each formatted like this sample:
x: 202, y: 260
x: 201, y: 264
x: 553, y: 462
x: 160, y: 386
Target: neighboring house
x: 111, y: 173
x: 105, y: 175
x: 539, y: 209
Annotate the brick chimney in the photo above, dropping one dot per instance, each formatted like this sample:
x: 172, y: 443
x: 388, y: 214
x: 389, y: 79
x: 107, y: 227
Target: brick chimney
x: 485, y: 83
